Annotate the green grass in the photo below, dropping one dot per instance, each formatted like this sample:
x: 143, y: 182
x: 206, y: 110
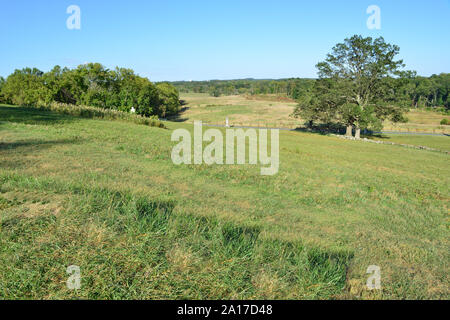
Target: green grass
x: 435, y: 142
x: 105, y: 195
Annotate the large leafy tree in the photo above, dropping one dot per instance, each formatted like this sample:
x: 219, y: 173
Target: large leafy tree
x: 26, y: 87
x: 169, y: 98
x: 358, y: 85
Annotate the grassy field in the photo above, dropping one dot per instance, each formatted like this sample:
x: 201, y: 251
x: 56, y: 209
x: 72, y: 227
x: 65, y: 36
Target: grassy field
x: 105, y: 196
x: 436, y: 142
x: 240, y: 110
x: 273, y: 111
x: 421, y: 121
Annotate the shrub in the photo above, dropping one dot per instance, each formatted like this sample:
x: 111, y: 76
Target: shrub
x: 93, y: 85
x: 445, y: 121
x: 97, y: 113
x: 169, y: 99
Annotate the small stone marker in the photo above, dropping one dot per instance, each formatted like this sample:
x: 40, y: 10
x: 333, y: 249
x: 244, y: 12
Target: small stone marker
x: 133, y: 110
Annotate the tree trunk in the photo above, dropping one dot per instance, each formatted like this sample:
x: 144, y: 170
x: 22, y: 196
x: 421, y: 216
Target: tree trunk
x: 358, y: 133
x: 348, y: 132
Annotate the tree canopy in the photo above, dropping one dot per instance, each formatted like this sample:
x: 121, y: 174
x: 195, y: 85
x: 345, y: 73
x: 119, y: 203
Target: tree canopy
x: 360, y: 84
x: 93, y: 85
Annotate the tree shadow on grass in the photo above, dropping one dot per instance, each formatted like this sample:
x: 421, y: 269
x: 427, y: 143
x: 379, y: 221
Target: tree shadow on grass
x: 15, y: 155
x: 377, y: 136
x: 30, y: 115
x: 327, y: 128
x: 178, y: 116
x: 323, y: 128
x: 35, y: 144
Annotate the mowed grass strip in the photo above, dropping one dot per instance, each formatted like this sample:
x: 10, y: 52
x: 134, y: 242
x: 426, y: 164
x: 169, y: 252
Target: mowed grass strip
x: 105, y: 195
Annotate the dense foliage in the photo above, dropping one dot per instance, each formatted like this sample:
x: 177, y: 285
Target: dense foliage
x: 430, y: 92
x: 93, y: 85
x: 293, y: 88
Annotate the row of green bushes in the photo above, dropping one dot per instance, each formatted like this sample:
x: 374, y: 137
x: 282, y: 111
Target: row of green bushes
x: 98, y: 113
x: 91, y: 84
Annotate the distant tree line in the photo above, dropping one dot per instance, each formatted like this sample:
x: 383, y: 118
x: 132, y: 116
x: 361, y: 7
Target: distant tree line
x: 420, y: 92
x: 433, y: 91
x: 93, y: 85
x: 293, y: 88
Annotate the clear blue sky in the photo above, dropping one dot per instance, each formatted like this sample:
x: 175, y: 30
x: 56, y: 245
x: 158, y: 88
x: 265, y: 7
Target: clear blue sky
x: 216, y: 39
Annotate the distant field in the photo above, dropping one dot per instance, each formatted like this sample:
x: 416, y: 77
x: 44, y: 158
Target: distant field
x: 274, y: 111
x: 105, y: 195
x: 421, y: 121
x: 240, y: 109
